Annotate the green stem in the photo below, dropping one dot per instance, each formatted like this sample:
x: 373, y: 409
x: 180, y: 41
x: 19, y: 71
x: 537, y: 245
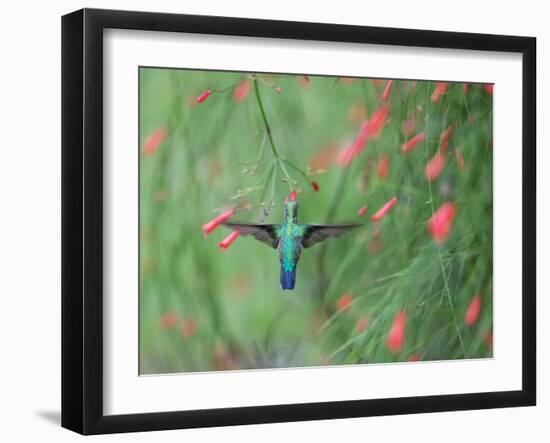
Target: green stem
x: 274, y: 149
x: 298, y: 169
x: 440, y: 256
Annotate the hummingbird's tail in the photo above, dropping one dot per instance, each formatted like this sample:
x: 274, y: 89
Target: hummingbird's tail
x: 288, y: 278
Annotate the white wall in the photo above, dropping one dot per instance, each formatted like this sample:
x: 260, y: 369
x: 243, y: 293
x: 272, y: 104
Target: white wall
x: 30, y: 219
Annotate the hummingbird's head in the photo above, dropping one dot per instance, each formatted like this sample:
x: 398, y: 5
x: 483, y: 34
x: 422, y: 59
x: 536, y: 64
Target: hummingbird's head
x: 291, y: 210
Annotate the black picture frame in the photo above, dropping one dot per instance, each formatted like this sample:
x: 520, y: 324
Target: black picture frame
x: 82, y: 220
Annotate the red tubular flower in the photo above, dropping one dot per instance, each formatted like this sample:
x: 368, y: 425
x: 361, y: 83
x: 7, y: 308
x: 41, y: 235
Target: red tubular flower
x: 168, y: 320
x: 361, y: 140
x: 411, y: 144
x: 242, y: 91
x: 459, y: 158
x: 439, y: 225
x: 383, y: 167
x: 396, y: 337
x: 434, y: 167
x: 203, y: 96
x: 386, y: 93
x: 214, y: 223
x: 440, y: 89
x: 362, y: 211
x: 488, y: 89
x: 152, y: 143
x: 445, y: 136
x: 377, y: 122
x: 344, y: 302
x: 362, y: 323
x: 384, y: 210
x: 472, y: 313
x: 293, y: 196
x: 466, y: 87
x: 315, y: 186
x: 349, y: 153
x: 226, y: 242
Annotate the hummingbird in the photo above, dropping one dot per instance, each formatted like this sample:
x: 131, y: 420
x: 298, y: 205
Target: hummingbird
x: 290, y: 237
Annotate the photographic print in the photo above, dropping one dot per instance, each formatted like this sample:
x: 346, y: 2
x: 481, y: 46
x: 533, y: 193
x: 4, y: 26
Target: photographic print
x: 299, y: 220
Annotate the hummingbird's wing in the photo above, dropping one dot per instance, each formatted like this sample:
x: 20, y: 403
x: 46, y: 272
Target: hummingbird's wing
x: 265, y: 233
x: 317, y: 233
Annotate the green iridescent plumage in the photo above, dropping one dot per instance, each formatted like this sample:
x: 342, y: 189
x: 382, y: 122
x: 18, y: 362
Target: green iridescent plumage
x: 289, y: 238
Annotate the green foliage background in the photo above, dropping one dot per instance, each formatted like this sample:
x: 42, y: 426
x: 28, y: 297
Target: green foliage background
x: 203, y: 310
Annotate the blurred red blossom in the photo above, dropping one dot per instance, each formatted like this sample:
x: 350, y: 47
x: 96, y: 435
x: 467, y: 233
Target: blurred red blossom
x: 242, y: 91
x: 396, y: 337
x: 278, y: 89
x: 215, y: 222
x: 434, y: 167
x: 384, y: 210
x: 459, y: 158
x: 409, y: 126
x: 440, y: 89
x: 152, y: 143
x: 226, y: 242
x: 304, y: 81
x: 188, y: 328
x: 387, y: 88
x: 409, y: 145
x: 472, y: 313
x: 293, y: 196
x: 349, y: 153
x: 324, y: 158
x: 383, y: 167
x: 362, y: 211
x: 488, y: 89
x: 315, y: 186
x: 377, y: 122
x: 362, y: 323
x: 201, y: 98
x: 444, y: 139
x: 168, y: 320
x: 344, y: 302
x: 439, y: 225
x: 466, y: 87
x: 414, y: 357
